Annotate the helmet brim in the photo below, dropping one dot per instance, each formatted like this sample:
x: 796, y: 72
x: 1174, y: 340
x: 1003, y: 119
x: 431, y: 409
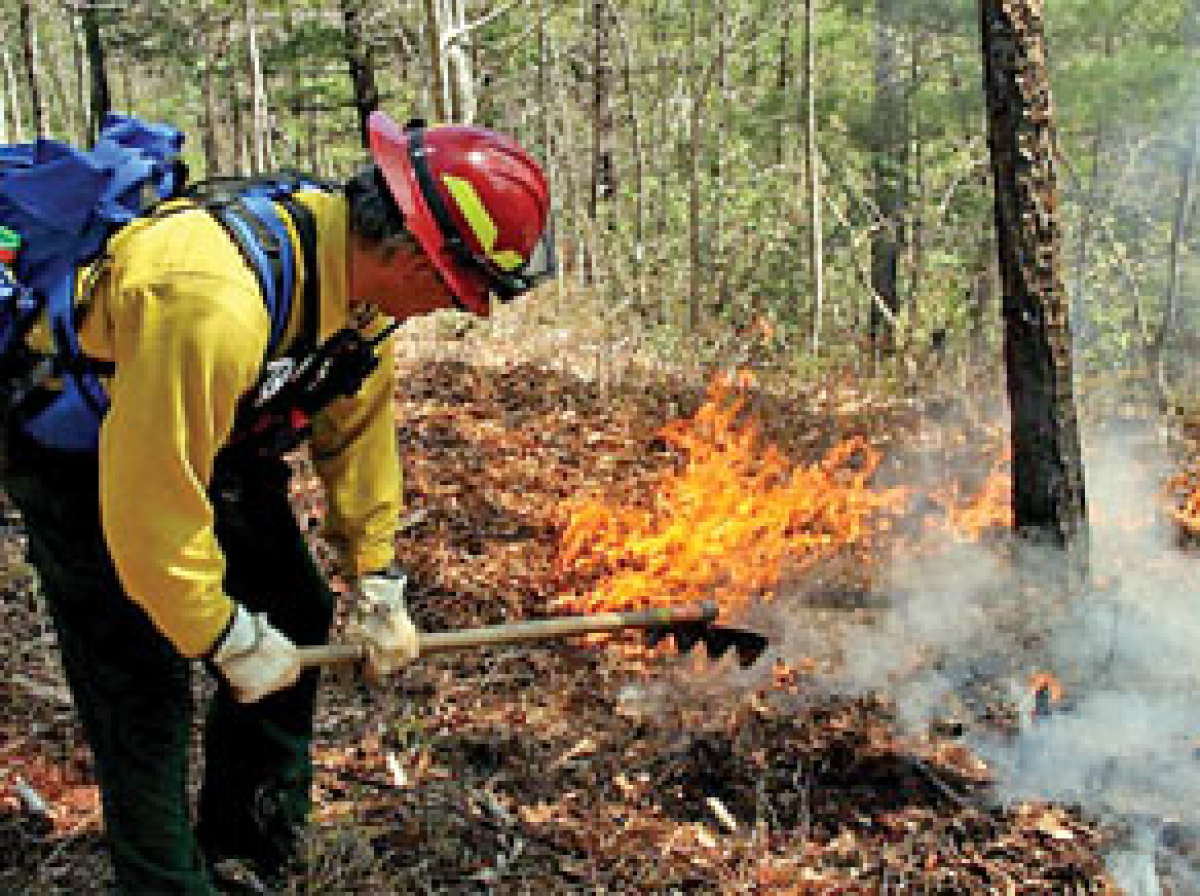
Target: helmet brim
x: 390, y: 151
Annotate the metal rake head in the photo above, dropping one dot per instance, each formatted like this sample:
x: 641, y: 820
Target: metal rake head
x: 717, y: 640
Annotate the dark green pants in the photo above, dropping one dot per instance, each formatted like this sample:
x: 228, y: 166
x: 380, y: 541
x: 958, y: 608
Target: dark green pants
x: 133, y: 692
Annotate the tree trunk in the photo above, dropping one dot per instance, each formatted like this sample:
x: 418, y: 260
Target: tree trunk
x: 208, y: 87
x: 82, y: 93
x: 459, y: 67
x: 571, y: 176
x: 127, y: 85
x: 812, y: 167
x: 259, y: 125
x: 28, y: 44
x: 55, y: 67
x: 695, y: 120
x: 916, y: 192
x: 1183, y: 210
x: 1048, y: 488
x: 603, y: 185
x: 542, y: 83
x: 437, y: 73
x: 1089, y: 201
x: 544, y: 111
x: 720, y: 272
x: 783, y: 79
x: 666, y: 72
x: 4, y: 95
x: 1171, y: 321
x: 362, y: 67
x: 237, y: 105
x: 633, y: 120
x: 601, y: 180
x: 100, y: 98
x: 888, y: 163
x: 14, y: 100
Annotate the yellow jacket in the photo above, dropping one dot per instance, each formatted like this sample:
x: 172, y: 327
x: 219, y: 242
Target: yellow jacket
x: 180, y: 314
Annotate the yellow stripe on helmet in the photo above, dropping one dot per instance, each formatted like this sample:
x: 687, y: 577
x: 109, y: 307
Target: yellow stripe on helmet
x: 481, y: 222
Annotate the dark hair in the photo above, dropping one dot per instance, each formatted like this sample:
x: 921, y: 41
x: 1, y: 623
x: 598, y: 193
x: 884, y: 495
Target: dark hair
x: 374, y: 216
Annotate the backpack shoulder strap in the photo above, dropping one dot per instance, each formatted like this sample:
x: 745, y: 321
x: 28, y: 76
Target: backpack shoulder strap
x: 306, y: 228
x: 255, y: 224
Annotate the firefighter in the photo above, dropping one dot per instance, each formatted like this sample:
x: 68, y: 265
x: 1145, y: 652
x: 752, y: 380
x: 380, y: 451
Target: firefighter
x: 174, y: 542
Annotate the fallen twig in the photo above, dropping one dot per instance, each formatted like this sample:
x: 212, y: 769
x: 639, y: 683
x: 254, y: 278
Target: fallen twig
x: 723, y: 815
x: 31, y: 800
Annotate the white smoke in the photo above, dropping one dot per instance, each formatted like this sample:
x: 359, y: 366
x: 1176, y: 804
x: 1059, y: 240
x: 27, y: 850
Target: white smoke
x: 967, y: 624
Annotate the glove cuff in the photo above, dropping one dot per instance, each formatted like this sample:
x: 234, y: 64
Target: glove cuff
x: 388, y: 584
x: 243, y: 637
x: 392, y: 571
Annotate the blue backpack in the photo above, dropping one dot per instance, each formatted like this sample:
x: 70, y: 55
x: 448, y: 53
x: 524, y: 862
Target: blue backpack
x: 65, y: 203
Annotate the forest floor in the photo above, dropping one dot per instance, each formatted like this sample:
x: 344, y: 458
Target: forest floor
x: 573, y: 767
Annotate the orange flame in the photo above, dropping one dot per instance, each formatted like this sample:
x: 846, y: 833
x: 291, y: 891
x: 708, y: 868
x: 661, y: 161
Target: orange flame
x: 728, y: 523
x: 1044, y: 681
x: 1046, y: 691
x: 991, y: 507
x: 1188, y: 513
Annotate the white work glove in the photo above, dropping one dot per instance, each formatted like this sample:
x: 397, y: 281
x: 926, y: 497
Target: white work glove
x: 255, y: 657
x: 379, y: 622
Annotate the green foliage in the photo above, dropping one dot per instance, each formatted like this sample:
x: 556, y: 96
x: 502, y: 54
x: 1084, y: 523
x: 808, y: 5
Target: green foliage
x: 1123, y: 78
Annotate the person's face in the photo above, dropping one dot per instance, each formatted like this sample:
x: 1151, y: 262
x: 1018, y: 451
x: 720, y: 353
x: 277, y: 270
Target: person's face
x: 402, y: 286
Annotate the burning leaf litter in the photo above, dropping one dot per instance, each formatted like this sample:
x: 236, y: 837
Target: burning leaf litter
x: 729, y: 522
x: 566, y: 771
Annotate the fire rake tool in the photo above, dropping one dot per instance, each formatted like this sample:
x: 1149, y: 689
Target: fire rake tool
x: 687, y: 626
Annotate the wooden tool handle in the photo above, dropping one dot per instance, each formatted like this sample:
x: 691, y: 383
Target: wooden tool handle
x: 520, y: 632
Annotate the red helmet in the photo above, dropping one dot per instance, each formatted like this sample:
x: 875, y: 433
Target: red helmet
x: 475, y: 201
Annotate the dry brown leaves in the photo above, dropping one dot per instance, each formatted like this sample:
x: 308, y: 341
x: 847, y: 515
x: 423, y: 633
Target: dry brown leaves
x: 565, y: 768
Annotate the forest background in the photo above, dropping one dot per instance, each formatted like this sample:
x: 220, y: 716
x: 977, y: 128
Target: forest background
x: 813, y: 177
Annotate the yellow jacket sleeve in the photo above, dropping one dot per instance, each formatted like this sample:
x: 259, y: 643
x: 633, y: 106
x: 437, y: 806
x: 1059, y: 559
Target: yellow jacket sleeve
x: 187, y: 329
x: 354, y: 451
x: 181, y: 316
